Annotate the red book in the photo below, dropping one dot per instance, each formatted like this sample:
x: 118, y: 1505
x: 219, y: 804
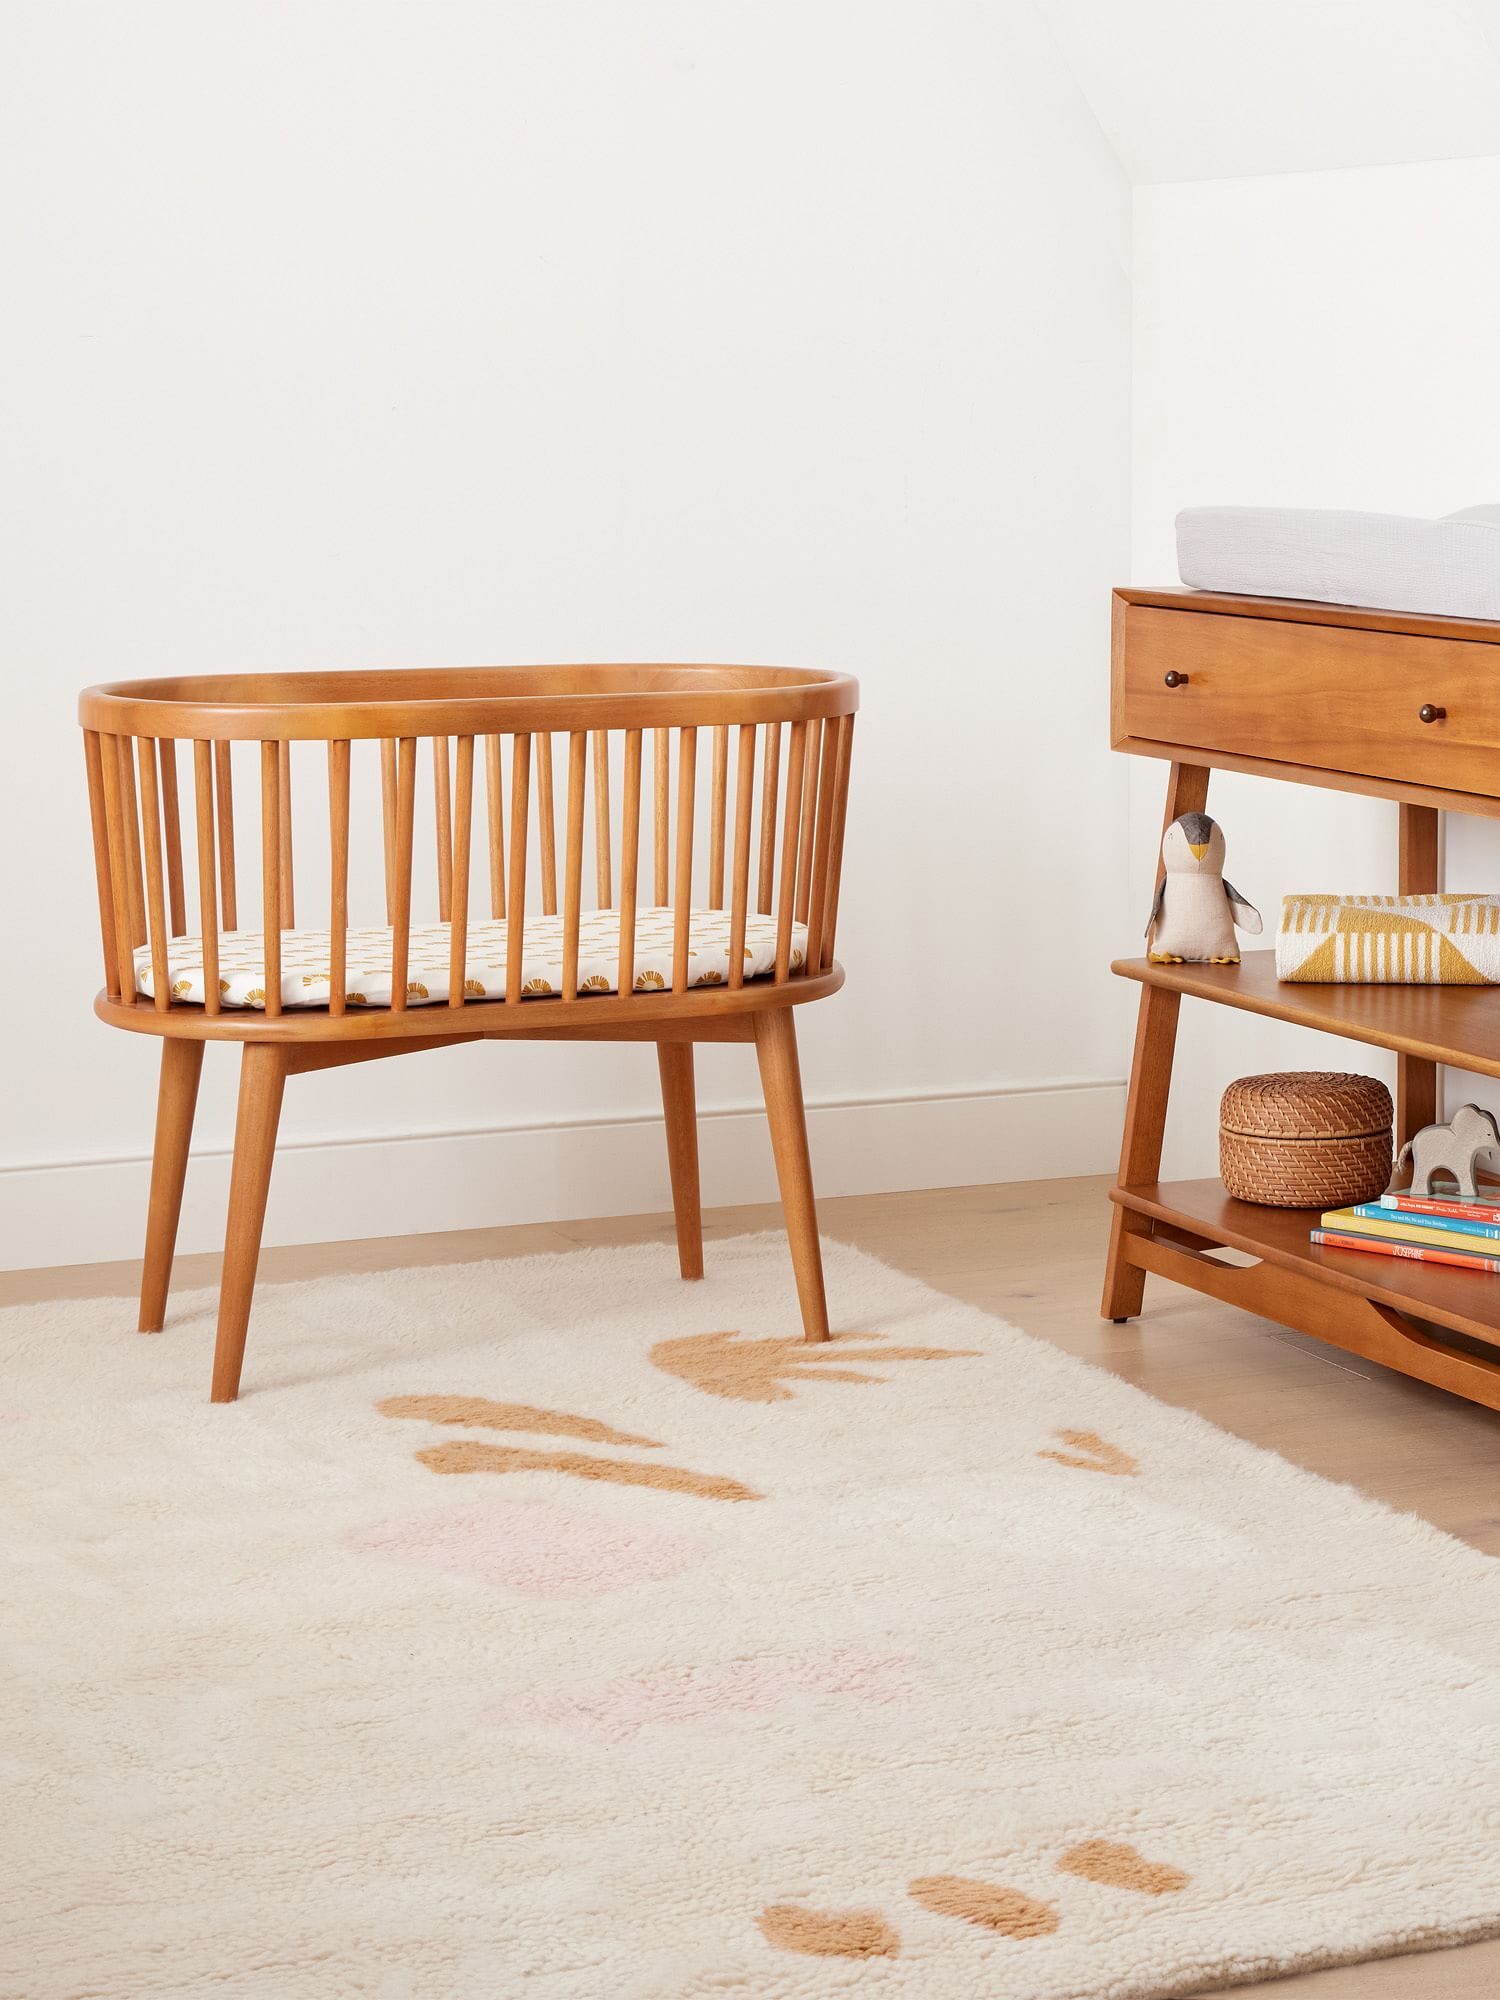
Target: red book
x: 1437, y: 1204
x: 1382, y: 1246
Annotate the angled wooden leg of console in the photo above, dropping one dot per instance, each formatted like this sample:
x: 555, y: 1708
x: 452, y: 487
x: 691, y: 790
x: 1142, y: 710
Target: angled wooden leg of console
x: 1150, y: 1085
x: 1417, y: 874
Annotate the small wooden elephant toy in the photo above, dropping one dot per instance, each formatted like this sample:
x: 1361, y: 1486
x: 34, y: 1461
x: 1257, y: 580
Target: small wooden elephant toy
x: 1450, y: 1149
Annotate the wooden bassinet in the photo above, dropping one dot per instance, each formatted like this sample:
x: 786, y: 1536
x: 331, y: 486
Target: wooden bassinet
x: 709, y: 923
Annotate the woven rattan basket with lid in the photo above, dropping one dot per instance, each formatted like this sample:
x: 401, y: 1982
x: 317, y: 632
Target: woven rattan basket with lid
x: 1305, y: 1139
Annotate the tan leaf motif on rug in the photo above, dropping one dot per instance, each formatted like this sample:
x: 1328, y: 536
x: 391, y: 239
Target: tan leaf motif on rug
x: 752, y: 1371
x: 482, y: 1413
x: 1009, y: 1911
x: 829, y: 1933
x: 1097, y: 1456
x: 469, y: 1455
x: 1121, y: 1867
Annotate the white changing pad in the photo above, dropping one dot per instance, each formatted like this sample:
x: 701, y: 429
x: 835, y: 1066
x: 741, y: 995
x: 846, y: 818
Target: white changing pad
x: 1390, y: 562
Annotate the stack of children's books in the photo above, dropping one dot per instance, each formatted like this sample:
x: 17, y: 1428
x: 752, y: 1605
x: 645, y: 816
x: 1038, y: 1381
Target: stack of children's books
x: 1431, y: 1228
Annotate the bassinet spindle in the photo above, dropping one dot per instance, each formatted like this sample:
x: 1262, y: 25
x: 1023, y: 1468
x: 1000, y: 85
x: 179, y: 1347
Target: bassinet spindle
x: 715, y: 932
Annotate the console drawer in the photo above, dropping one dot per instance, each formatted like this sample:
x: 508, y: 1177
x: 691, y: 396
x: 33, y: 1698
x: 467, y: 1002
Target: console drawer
x: 1319, y: 695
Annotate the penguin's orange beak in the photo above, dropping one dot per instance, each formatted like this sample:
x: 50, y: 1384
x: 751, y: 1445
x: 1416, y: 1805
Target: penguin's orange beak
x: 1196, y: 851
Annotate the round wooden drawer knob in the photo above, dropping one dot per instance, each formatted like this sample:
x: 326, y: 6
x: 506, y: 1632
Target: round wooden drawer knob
x: 1427, y: 713
x: 1175, y: 679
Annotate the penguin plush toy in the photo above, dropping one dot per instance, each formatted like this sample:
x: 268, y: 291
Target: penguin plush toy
x: 1195, y: 913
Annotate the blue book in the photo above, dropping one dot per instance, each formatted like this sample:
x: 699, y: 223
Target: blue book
x: 1380, y: 1211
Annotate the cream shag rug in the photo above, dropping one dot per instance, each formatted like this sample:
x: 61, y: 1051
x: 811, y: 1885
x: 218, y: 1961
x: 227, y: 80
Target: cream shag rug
x: 555, y: 1628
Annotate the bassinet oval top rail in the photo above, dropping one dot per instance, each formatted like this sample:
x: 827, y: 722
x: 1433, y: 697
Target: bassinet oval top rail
x: 705, y: 805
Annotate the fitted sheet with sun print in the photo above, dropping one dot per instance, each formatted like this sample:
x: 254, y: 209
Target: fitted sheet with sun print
x: 367, y: 982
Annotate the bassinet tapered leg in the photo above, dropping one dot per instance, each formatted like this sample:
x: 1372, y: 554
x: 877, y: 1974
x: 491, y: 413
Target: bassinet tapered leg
x: 176, y: 1101
x: 679, y: 1102
x: 781, y: 1081
x: 263, y: 1073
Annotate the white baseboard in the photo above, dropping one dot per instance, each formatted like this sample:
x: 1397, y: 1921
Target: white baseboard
x: 89, y: 1212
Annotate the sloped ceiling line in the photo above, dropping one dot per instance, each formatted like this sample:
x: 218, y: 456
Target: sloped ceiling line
x: 1189, y: 90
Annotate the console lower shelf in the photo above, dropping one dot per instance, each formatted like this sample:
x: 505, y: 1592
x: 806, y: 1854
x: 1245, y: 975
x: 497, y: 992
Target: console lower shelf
x: 1376, y: 1306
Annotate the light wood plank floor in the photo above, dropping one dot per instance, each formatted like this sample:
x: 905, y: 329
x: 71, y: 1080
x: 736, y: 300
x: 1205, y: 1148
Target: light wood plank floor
x: 1031, y: 1252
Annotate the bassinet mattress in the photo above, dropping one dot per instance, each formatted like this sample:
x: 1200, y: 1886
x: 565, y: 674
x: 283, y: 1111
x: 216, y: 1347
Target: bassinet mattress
x: 1439, y: 940
x: 367, y: 983
x: 1390, y: 562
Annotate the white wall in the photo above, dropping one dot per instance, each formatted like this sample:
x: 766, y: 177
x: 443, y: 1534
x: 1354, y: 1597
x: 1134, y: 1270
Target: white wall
x: 350, y: 335
x: 1308, y: 340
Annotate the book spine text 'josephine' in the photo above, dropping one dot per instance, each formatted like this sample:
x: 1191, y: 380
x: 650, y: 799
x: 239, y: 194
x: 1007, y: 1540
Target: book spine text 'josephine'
x: 1418, y: 1252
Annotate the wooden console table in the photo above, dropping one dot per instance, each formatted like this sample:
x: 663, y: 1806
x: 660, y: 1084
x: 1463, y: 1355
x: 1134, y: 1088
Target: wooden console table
x: 1401, y: 707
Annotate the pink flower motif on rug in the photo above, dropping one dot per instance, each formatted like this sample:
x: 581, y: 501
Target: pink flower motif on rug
x: 526, y: 1545
x: 614, y: 1711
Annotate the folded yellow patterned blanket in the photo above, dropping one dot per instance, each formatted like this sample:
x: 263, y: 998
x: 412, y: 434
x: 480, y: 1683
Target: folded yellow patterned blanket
x: 1443, y: 940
